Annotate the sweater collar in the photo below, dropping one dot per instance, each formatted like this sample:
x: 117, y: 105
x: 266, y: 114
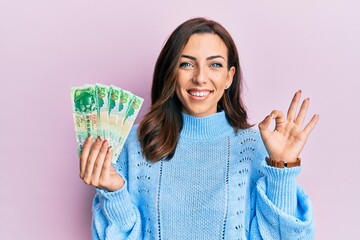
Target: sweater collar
x: 208, y: 127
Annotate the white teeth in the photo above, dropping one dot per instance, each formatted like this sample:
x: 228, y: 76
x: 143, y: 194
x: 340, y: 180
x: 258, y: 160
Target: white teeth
x: 199, y: 94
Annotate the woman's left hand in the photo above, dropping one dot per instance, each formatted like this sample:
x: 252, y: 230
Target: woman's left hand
x: 286, y: 141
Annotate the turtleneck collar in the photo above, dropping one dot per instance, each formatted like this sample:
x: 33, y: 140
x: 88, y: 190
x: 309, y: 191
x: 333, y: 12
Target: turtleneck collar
x: 208, y: 127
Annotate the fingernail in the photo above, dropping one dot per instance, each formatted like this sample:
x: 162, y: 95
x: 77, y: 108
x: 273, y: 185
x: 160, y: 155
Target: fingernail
x: 98, y: 139
x: 299, y: 91
x: 105, y: 141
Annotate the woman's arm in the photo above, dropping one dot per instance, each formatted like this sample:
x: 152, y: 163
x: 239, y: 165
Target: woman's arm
x: 114, y: 215
x: 280, y: 208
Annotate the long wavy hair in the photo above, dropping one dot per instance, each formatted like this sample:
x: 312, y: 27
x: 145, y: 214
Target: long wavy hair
x: 159, y: 129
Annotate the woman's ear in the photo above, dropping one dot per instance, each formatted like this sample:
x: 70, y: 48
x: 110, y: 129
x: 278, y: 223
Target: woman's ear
x: 230, y: 77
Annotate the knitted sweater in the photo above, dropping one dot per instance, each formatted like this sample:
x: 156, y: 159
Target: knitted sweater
x: 217, y: 186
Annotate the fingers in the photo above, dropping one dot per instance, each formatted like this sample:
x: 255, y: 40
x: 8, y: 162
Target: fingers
x: 279, y: 118
x: 91, y: 160
x: 98, y: 166
x: 302, y: 113
x: 94, y: 162
x: 264, y: 125
x: 107, y: 164
x: 84, y: 155
x: 309, y: 127
x: 264, y: 128
x: 293, y: 106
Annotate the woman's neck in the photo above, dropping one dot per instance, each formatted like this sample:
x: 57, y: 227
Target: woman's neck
x: 208, y: 127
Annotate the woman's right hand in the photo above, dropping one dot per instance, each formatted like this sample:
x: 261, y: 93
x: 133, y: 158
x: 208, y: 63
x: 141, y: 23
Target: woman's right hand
x: 95, y: 165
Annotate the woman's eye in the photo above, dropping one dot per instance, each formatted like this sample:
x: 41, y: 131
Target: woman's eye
x: 185, y: 65
x: 216, y: 65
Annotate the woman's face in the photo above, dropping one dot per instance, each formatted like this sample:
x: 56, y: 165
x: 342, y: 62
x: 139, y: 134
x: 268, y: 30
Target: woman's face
x: 203, y: 74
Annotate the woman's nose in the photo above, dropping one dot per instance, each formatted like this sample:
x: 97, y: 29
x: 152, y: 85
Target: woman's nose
x: 200, y: 76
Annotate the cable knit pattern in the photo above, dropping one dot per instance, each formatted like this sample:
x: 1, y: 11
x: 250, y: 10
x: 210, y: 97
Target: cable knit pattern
x: 217, y: 186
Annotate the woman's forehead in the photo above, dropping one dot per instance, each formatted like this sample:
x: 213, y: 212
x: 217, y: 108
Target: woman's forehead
x: 205, y: 45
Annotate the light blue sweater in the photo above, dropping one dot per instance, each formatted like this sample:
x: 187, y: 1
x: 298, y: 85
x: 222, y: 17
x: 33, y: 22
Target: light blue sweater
x: 217, y: 186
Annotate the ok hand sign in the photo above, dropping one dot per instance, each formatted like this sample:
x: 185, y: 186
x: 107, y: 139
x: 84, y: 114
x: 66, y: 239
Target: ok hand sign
x: 286, y: 141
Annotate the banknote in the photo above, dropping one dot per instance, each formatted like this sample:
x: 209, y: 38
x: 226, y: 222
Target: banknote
x: 125, y: 99
x: 105, y: 111
x: 102, y: 97
x: 119, y: 114
x: 132, y: 111
x: 84, y: 113
x: 113, y: 111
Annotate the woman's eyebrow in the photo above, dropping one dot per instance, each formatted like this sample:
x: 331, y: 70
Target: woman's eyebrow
x: 188, y: 56
x: 215, y: 56
x: 208, y: 58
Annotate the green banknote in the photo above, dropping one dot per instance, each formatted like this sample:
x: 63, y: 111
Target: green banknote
x: 84, y: 113
x: 127, y: 123
x: 102, y: 97
x: 105, y: 111
x: 125, y: 99
x: 113, y: 111
x: 124, y: 103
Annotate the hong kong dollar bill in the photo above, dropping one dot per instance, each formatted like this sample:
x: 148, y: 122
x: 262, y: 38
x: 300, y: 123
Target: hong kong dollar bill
x: 105, y: 111
x: 85, y: 113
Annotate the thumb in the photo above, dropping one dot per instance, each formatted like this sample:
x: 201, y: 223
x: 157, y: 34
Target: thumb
x: 264, y: 127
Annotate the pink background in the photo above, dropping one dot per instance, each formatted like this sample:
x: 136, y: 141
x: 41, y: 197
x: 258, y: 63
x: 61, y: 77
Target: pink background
x: 48, y: 46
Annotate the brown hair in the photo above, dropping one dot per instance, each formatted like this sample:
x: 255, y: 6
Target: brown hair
x: 159, y: 130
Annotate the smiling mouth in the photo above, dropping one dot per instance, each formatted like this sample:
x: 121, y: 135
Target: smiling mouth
x: 197, y: 93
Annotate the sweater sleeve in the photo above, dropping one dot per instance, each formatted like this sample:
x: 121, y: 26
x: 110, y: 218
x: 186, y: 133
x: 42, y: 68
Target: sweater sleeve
x: 281, y: 209
x: 115, y: 217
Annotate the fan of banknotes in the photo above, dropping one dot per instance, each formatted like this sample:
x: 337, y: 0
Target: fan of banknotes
x: 105, y: 111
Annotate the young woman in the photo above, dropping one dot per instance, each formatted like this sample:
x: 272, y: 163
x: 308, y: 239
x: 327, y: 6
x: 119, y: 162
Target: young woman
x: 194, y: 168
